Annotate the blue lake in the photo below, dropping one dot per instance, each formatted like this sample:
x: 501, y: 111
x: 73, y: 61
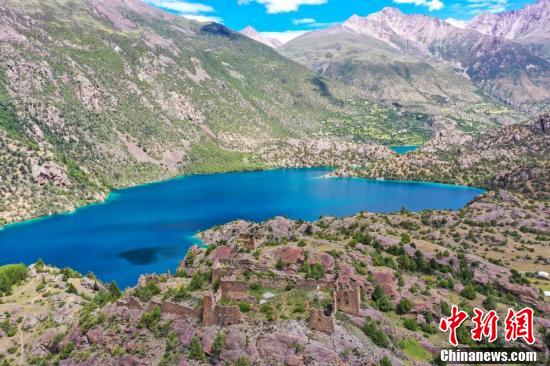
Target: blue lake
x: 403, y: 149
x: 149, y: 228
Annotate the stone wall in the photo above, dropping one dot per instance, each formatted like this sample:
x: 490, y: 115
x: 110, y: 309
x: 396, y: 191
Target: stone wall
x: 218, y: 273
x: 276, y: 283
x: 227, y: 315
x: 320, y: 321
x: 208, y: 315
x: 219, y: 314
x: 348, y: 300
x: 307, y: 284
x: 233, y: 290
x: 168, y: 307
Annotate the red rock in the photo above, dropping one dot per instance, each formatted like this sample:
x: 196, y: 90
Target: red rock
x: 291, y: 255
x: 95, y: 335
x: 293, y: 360
x: 386, y: 278
x: 221, y: 252
x: 326, y: 260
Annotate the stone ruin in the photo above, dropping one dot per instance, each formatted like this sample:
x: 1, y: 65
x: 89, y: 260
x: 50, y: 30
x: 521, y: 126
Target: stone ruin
x: 322, y: 320
x: 233, y: 290
x: 219, y: 314
x: 346, y: 300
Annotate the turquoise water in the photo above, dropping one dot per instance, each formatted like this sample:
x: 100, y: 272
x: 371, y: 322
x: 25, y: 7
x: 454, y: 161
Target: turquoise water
x: 149, y: 228
x: 403, y: 149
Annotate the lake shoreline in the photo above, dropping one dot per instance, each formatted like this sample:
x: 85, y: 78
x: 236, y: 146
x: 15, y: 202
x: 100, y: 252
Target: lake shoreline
x: 149, y: 228
x: 112, y: 194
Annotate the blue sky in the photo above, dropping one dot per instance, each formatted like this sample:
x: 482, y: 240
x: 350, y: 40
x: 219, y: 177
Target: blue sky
x: 280, y: 16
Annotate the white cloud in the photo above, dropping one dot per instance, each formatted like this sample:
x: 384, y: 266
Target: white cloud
x: 283, y: 6
x: 303, y: 21
x: 430, y: 4
x: 195, y: 11
x: 284, y: 37
x: 457, y: 22
x: 475, y: 7
x: 491, y: 6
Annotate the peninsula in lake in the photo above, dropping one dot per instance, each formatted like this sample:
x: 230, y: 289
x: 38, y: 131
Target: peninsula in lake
x: 176, y: 192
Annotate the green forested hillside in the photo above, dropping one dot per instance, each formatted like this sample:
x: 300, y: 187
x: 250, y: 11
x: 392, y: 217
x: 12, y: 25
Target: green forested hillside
x: 96, y: 95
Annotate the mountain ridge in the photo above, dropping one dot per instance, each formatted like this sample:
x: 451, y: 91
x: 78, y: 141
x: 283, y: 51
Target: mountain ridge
x: 252, y: 33
x: 505, y: 69
x: 98, y: 95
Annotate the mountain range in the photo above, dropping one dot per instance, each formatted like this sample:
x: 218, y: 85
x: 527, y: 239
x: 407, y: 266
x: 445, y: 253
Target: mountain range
x: 529, y: 26
x: 96, y: 95
x: 425, y: 63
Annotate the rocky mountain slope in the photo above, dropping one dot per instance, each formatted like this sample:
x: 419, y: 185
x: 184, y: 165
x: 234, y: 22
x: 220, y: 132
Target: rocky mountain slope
x: 429, y: 62
x: 96, y: 95
x: 512, y: 157
x: 252, y: 33
x: 529, y: 26
x: 367, y: 289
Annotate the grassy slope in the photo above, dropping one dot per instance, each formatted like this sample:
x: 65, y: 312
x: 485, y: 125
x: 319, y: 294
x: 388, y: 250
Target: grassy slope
x: 79, y: 88
x: 393, y: 77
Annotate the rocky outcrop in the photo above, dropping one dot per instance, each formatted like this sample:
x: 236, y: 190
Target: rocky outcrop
x: 50, y: 173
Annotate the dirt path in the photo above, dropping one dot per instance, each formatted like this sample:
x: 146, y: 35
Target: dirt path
x: 21, y: 344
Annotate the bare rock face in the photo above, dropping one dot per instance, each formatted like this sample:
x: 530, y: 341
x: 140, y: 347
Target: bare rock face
x: 279, y: 227
x: 530, y: 24
x: 486, y: 272
x: 50, y: 173
x: 291, y: 255
x: 386, y: 278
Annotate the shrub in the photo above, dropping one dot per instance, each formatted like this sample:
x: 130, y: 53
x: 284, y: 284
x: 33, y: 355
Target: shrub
x: 195, y: 350
x: 315, y: 271
x: 255, y: 286
x: 410, y: 324
x: 385, y: 361
x: 147, y: 292
x: 269, y: 311
x: 114, y: 290
x: 71, y: 289
x: 244, y: 307
x: 489, y: 303
x: 197, y: 281
x: 219, y: 344
x: 182, y: 293
x: 68, y: 273
x: 171, y: 350
x: 150, y: 319
x: 66, y: 350
x: 404, y: 306
x: 242, y: 361
x: 10, y: 275
x: 445, y: 308
x: 381, y: 300
x: 190, y: 258
x: 469, y: 292
x: 371, y: 329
